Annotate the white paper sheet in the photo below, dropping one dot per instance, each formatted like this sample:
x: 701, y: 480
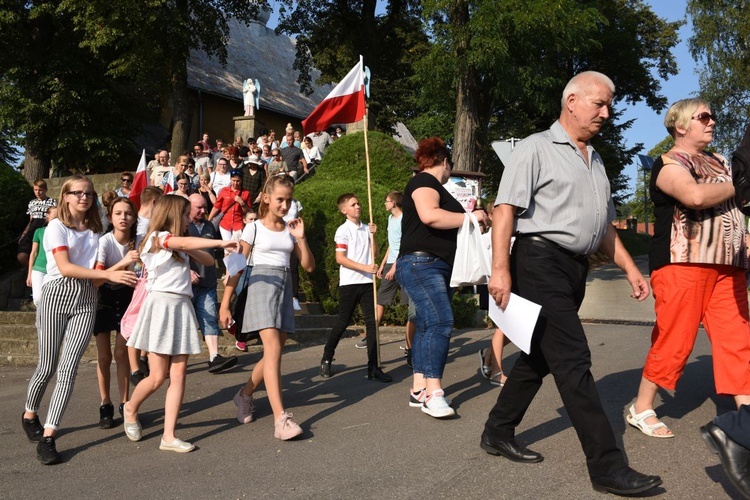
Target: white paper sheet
x: 517, y: 321
x: 234, y: 262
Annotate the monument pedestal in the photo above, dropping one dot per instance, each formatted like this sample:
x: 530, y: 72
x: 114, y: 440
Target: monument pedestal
x: 244, y: 126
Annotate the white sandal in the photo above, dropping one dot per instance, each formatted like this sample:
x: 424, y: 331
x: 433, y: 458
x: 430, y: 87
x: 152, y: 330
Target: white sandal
x: 638, y: 420
x: 497, y: 379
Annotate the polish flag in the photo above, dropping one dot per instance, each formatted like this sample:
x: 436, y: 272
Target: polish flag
x: 345, y: 103
x: 140, y: 181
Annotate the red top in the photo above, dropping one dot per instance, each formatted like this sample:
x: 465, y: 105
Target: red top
x: 233, y: 211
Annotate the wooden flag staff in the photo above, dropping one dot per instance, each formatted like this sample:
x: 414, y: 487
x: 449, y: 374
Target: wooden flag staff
x: 372, y: 242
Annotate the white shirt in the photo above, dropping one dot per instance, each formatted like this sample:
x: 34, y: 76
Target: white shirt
x: 80, y: 245
x: 271, y: 248
x: 354, y: 240
x: 110, y: 251
x: 220, y: 181
x: 294, y: 209
x: 166, y: 274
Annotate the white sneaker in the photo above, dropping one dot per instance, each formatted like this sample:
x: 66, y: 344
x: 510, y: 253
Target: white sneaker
x: 436, y: 406
x: 295, y: 304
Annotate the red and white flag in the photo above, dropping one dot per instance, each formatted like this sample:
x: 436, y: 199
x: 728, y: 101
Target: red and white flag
x: 139, y: 182
x: 345, y: 103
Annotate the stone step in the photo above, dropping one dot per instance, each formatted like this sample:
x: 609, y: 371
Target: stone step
x: 17, y: 317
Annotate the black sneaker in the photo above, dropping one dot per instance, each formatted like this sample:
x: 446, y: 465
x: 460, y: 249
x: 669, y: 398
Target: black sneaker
x: 120, y: 409
x: 33, y: 429
x: 325, y: 369
x: 143, y: 366
x: 220, y: 363
x: 106, y: 416
x: 136, y: 377
x: 46, y: 451
x: 408, y: 356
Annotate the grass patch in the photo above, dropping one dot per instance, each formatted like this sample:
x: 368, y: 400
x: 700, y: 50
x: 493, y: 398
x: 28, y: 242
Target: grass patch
x: 635, y: 243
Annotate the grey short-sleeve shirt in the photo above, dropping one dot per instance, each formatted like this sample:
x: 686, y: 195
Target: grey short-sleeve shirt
x: 557, y: 194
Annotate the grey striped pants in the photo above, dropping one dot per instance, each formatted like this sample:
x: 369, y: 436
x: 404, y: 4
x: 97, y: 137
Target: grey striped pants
x: 65, y: 322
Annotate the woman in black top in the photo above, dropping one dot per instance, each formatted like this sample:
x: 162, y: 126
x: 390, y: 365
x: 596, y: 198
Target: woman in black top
x: 429, y: 227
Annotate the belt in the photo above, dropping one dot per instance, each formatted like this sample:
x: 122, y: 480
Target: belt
x: 550, y: 243
x: 421, y: 254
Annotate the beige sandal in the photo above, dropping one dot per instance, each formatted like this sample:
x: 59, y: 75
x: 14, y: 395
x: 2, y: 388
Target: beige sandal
x: 497, y: 379
x: 638, y: 420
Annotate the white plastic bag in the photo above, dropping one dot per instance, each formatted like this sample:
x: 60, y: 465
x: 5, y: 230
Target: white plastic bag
x: 472, y: 263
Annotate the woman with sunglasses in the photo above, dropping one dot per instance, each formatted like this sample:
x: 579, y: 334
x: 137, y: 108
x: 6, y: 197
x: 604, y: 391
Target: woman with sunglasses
x: 126, y: 183
x: 698, y: 262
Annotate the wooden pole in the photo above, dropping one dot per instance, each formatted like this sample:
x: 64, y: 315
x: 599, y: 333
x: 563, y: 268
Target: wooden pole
x: 372, y: 243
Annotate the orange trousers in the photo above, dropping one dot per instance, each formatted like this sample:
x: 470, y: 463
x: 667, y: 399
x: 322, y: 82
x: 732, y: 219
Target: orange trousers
x: 686, y: 295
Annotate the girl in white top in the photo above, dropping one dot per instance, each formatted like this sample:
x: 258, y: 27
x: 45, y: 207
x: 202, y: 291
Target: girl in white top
x: 166, y: 326
x: 116, y: 251
x: 65, y: 317
x: 220, y: 178
x: 268, y: 310
x: 312, y: 154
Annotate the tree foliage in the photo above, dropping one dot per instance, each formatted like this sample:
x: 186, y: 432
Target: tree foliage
x: 56, y: 97
x: 721, y: 45
x: 509, y: 60
x: 150, y: 41
x: 332, y: 34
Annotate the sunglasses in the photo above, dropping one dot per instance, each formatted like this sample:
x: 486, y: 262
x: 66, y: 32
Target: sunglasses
x: 704, y: 118
x: 82, y: 194
x: 125, y: 179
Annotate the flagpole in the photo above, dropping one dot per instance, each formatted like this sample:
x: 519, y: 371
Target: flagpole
x: 372, y: 243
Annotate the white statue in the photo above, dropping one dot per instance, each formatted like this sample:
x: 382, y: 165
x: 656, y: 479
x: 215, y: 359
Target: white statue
x: 251, y: 95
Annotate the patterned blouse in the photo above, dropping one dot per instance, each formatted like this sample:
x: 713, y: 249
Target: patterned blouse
x: 713, y: 235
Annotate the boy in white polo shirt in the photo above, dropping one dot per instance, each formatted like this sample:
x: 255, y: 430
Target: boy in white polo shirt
x: 354, y: 256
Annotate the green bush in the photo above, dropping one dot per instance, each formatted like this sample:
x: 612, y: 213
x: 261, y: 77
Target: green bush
x: 15, y: 194
x: 465, y: 308
x: 342, y: 171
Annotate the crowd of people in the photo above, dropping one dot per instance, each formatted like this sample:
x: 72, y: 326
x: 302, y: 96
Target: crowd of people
x: 553, y: 210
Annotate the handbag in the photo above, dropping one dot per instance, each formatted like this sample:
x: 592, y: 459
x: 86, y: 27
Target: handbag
x: 472, y: 263
x: 238, y: 313
x: 127, y: 323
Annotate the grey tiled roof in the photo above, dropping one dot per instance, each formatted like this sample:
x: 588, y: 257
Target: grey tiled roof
x: 256, y: 52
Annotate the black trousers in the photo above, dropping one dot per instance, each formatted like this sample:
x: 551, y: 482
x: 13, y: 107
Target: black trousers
x: 542, y: 273
x: 736, y: 425
x: 349, y: 297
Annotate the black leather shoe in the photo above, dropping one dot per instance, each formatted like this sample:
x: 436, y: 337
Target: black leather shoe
x: 33, y: 429
x: 220, y: 363
x: 735, y: 458
x: 378, y: 374
x: 510, y: 450
x: 325, y: 369
x: 106, y: 416
x: 136, y: 377
x: 625, y: 481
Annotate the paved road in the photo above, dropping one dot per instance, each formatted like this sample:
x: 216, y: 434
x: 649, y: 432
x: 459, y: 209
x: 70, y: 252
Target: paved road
x: 361, y: 438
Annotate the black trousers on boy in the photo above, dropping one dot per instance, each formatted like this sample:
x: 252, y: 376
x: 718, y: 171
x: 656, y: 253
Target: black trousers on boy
x: 349, y: 297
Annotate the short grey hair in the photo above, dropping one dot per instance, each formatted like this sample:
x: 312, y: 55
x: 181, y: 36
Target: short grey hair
x: 579, y: 84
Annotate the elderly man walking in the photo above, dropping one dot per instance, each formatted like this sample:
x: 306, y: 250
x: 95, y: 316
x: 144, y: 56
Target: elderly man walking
x: 556, y: 194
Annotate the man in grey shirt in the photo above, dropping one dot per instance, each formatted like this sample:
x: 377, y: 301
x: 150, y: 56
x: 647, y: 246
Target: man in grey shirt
x: 556, y: 196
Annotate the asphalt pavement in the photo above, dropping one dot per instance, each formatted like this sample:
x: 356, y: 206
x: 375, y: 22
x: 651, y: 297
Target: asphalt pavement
x: 361, y: 438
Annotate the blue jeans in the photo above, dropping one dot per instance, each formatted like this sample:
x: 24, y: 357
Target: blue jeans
x: 204, y: 302
x: 426, y: 281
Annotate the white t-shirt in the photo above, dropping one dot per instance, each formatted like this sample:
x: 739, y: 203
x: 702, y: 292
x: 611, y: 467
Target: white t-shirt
x: 294, y: 209
x: 140, y: 229
x: 220, y: 181
x: 271, y: 248
x: 80, y: 245
x: 355, y: 241
x: 166, y: 274
x: 110, y: 251
x: 158, y: 174
x: 394, y: 238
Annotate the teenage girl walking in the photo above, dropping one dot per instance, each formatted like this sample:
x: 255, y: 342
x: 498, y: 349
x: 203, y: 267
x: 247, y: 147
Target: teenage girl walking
x: 65, y: 317
x: 116, y: 252
x: 166, y: 326
x: 269, y: 311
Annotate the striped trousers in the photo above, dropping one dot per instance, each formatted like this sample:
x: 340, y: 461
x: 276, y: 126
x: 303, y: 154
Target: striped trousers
x: 65, y: 323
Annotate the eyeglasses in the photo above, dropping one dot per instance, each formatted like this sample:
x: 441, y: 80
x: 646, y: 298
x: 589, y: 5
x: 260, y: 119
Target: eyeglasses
x: 704, y: 118
x: 125, y: 179
x: 82, y: 194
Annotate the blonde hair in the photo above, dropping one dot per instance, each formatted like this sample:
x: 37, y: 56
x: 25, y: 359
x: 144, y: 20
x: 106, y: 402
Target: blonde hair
x: 271, y: 183
x: 91, y: 219
x: 167, y: 216
x: 680, y: 114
